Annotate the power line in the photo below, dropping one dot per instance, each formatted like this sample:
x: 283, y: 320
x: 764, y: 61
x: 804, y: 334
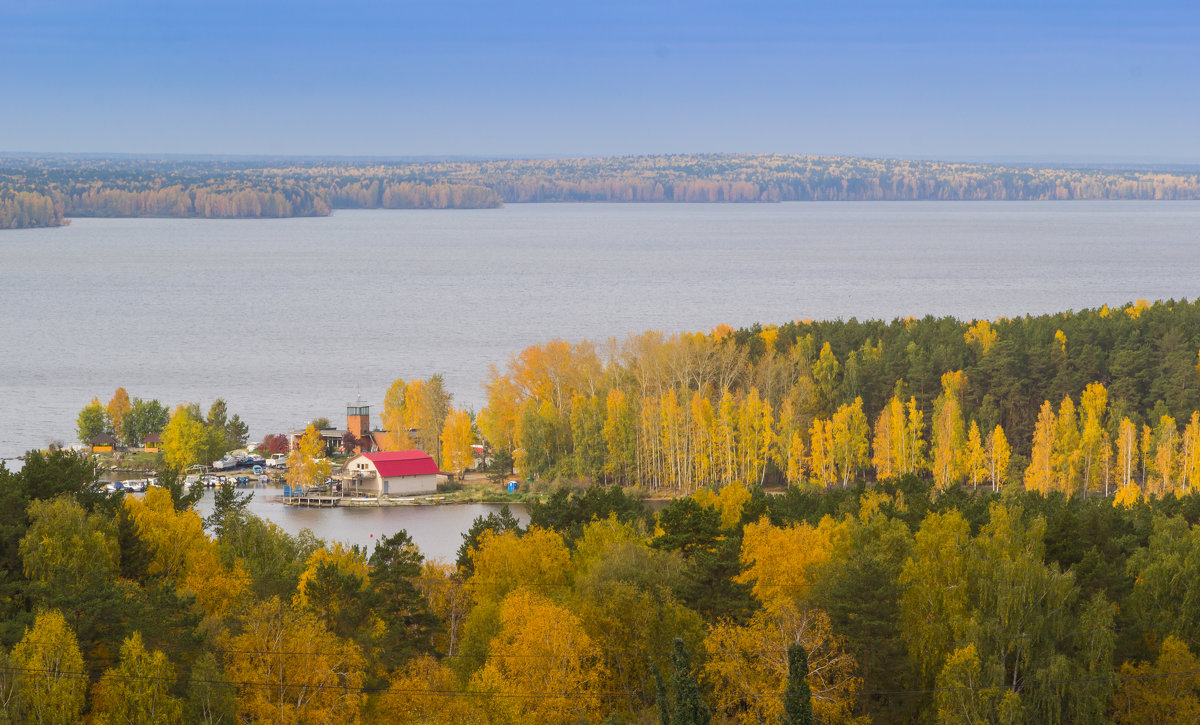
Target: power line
x: 82, y: 675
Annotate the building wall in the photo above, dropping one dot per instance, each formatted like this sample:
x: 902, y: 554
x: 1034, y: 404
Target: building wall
x: 411, y: 485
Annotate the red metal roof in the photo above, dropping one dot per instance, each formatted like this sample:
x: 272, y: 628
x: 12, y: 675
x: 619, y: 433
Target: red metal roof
x: 402, y: 463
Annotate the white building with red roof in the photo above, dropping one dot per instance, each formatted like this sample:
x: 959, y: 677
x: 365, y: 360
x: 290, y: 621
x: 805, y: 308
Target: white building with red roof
x: 391, y: 473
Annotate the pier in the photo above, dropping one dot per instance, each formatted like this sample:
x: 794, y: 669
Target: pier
x: 315, y: 501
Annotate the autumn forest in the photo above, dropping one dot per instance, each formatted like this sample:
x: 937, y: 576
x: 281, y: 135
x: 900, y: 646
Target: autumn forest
x: 46, y: 191
x: 922, y: 520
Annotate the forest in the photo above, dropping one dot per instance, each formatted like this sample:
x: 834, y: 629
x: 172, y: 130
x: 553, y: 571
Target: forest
x: 904, y: 602
x: 1080, y: 402
x: 932, y: 520
x: 46, y: 191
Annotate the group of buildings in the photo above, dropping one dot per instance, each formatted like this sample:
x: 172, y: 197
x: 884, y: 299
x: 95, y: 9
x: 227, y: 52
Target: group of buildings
x: 371, y: 471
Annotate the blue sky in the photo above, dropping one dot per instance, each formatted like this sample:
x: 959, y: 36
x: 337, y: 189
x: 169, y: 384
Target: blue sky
x: 1073, y: 81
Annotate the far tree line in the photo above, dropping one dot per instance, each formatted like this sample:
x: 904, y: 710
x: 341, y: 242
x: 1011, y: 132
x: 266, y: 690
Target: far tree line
x: 45, y: 192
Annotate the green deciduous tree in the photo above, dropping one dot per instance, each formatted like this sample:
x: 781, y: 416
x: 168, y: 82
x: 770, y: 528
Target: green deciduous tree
x: 92, y: 421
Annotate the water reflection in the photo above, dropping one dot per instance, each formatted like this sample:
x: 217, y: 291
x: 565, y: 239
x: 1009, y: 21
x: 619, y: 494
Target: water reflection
x: 436, y: 529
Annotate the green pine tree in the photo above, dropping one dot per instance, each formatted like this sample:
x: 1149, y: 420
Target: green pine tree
x: 689, y: 709
x: 797, y: 698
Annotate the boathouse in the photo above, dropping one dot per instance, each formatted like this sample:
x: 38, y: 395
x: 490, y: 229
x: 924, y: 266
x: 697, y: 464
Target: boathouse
x: 390, y: 473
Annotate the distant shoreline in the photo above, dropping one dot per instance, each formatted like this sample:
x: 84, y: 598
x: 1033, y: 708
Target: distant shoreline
x: 49, y: 191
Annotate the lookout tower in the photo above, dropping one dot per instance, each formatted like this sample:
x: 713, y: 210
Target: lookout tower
x: 358, y: 419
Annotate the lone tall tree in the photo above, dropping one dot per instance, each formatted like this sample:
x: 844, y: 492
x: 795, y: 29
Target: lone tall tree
x: 797, y: 698
x: 689, y: 708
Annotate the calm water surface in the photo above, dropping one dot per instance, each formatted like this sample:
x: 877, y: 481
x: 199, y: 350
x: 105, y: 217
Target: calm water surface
x: 437, y: 530
x: 289, y: 319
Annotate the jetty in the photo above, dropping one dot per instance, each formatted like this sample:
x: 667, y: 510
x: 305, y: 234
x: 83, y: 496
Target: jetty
x: 315, y: 501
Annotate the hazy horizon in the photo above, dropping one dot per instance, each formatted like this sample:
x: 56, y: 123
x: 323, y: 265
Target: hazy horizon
x: 1026, y: 82
x: 1159, y: 163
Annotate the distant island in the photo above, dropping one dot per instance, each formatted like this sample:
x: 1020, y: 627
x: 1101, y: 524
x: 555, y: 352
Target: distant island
x: 47, y: 191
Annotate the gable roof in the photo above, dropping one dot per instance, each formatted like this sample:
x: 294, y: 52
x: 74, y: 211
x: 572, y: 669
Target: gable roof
x: 154, y: 438
x: 402, y: 463
x: 103, y: 439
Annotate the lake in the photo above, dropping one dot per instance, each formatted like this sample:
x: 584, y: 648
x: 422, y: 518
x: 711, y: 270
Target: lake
x: 289, y: 319
x: 437, y: 530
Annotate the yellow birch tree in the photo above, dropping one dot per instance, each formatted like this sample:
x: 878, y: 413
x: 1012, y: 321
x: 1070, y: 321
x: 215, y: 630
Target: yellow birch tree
x: 1127, y: 452
x: 137, y: 689
x: 849, y: 438
x: 982, y: 334
x: 1039, y: 476
x: 291, y: 669
x: 543, y: 660
x: 1065, y: 456
x: 976, y: 456
x: 820, y: 452
x: 1166, y: 456
x: 52, y: 685
x: 307, y: 464
x: 948, y: 433
x: 457, y: 438
x: 747, y: 666
x: 998, y: 454
x: 1189, y: 454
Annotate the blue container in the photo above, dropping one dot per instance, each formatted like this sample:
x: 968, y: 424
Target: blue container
x: 512, y: 486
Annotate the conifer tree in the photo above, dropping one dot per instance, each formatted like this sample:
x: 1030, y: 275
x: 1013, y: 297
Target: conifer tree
x: 688, y: 709
x: 797, y: 698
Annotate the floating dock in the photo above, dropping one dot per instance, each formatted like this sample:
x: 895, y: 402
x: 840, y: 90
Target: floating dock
x: 313, y: 501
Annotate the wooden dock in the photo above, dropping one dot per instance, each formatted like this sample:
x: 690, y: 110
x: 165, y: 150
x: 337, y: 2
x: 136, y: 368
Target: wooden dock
x: 312, y: 501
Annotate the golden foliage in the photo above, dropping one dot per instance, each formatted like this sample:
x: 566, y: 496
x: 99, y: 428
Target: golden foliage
x: 339, y: 555
x: 457, y: 439
x: 136, y: 690
x: 948, y: 433
x: 1166, y: 692
x: 782, y: 564
x: 426, y: 691
x: 982, y: 334
x: 747, y: 666
x: 729, y: 502
x: 290, y: 669
x: 1128, y: 495
x: 184, y: 440
x: 506, y: 561
x: 49, y: 663
x: 306, y: 463
x: 1135, y: 309
x: 182, y: 553
x: 543, y: 660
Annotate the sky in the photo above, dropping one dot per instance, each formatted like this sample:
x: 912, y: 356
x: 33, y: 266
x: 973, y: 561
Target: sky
x: 1094, y: 81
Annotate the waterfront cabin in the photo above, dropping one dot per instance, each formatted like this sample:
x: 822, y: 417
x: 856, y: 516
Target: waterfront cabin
x: 390, y: 473
x: 103, y: 443
x: 153, y: 443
